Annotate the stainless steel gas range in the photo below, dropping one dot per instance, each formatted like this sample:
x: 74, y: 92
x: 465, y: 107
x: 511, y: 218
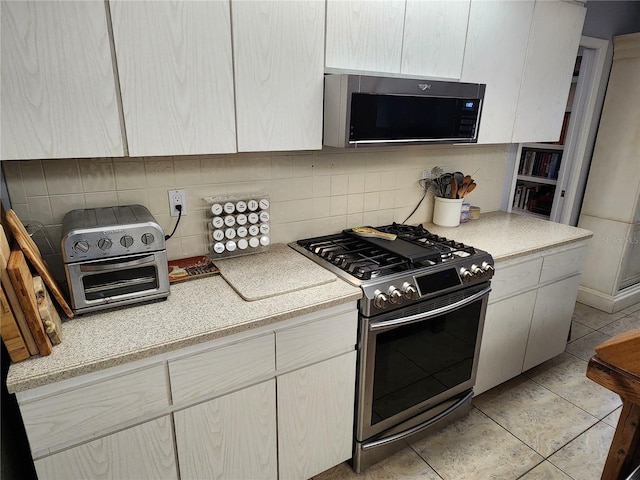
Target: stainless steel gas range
x: 420, y: 327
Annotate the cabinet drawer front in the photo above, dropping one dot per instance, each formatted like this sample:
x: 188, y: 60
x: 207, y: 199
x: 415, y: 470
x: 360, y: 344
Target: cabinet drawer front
x: 212, y: 373
x: 513, y: 279
x: 89, y: 411
x: 142, y: 452
x: 562, y: 264
x: 316, y: 341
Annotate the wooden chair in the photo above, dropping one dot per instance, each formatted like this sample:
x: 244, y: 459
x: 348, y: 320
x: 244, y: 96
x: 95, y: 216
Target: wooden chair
x: 616, y: 366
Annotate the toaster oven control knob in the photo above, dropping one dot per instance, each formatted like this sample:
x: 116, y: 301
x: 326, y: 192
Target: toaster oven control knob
x: 465, y: 275
x: 104, y: 244
x: 410, y: 292
x: 380, y: 299
x: 81, y: 246
x: 147, y: 238
x: 126, y: 241
x: 395, y: 295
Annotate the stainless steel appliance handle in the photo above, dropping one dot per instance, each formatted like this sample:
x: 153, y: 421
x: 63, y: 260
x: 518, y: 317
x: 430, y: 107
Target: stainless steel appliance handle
x: 374, y: 326
x: 110, y: 266
x: 421, y: 426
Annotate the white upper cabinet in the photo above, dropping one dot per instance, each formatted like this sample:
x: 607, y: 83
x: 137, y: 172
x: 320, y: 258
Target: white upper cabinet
x: 495, y: 53
x: 412, y: 37
x: 279, y: 53
x: 176, y: 76
x: 58, y: 86
x: 434, y: 38
x: 365, y: 35
x: 551, y: 54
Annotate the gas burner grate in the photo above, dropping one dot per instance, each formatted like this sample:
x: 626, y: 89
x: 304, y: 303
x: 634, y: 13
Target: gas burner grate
x: 419, y: 235
x: 367, y: 258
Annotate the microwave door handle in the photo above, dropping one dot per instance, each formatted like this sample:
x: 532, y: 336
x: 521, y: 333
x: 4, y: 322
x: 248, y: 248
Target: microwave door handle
x: 373, y: 327
x: 111, y: 266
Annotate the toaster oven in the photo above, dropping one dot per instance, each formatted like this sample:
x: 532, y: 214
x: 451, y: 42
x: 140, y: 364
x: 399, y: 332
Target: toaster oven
x: 113, y: 256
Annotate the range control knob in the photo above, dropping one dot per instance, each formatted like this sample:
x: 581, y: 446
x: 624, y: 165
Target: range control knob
x: 488, y: 269
x: 476, y: 270
x: 380, y: 299
x: 395, y: 295
x: 147, y: 238
x: 465, y: 275
x: 104, y: 244
x: 410, y: 291
x: 126, y: 241
x: 81, y: 247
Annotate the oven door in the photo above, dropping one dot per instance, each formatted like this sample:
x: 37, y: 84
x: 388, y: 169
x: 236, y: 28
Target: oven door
x: 120, y: 280
x: 417, y: 357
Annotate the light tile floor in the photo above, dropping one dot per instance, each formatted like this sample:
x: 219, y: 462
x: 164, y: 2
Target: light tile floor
x: 551, y: 422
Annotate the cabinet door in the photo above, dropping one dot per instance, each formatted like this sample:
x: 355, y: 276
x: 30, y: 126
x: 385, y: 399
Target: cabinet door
x: 176, y: 76
x: 434, y: 38
x: 142, y: 452
x: 315, y: 416
x: 233, y: 436
x: 365, y: 35
x: 494, y: 54
x: 504, y: 340
x: 551, y: 321
x: 279, y: 74
x: 551, y: 55
x: 58, y: 84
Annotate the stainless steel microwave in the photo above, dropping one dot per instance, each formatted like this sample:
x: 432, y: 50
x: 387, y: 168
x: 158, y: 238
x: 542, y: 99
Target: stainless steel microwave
x: 367, y: 110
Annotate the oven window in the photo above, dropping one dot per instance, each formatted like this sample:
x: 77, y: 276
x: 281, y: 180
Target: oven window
x: 120, y: 282
x: 416, y: 362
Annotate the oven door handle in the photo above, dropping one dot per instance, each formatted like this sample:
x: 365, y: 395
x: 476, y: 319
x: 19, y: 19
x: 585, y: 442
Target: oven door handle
x: 112, y: 266
x: 375, y: 326
x: 417, y: 428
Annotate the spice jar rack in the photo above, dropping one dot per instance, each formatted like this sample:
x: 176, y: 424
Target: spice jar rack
x: 238, y: 225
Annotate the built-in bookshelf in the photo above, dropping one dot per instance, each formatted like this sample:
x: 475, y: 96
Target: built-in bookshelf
x: 539, y: 165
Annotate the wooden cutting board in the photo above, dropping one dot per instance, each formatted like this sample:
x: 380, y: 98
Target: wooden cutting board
x: 48, y: 312
x: 5, y: 252
x: 11, y: 335
x: 23, y: 286
x: 31, y: 251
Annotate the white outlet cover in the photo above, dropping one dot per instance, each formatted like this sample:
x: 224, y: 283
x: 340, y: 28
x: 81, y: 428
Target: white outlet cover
x: 177, y: 197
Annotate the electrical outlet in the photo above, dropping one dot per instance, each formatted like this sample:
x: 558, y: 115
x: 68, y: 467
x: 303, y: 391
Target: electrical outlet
x: 177, y: 197
x: 426, y: 174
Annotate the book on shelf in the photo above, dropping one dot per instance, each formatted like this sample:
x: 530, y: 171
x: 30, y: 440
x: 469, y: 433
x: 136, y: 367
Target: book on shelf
x: 535, y: 163
x: 536, y: 199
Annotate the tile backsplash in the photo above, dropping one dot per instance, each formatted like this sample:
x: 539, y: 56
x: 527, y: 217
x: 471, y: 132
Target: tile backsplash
x: 312, y: 193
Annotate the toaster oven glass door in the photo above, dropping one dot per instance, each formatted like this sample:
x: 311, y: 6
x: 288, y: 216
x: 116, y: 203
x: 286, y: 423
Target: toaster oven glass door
x: 118, y: 279
x: 120, y: 282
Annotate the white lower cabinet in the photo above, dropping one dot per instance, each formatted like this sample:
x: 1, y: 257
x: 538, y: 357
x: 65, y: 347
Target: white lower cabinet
x: 504, y: 341
x: 315, y: 417
x: 529, y: 313
x: 551, y: 321
x: 141, y: 452
x: 233, y: 436
x: 273, y: 402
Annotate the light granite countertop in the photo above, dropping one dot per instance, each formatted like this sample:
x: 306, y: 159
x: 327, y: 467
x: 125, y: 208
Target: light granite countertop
x: 508, y: 235
x: 210, y: 308
x: 196, y: 311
